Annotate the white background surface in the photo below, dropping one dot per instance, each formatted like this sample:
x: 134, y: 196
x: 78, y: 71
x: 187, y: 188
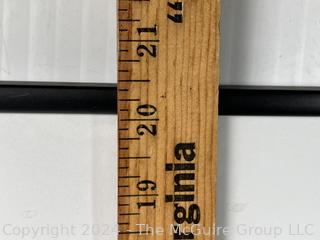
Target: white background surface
x: 58, y: 40
x: 61, y: 169
x: 270, y: 42
x: 58, y: 171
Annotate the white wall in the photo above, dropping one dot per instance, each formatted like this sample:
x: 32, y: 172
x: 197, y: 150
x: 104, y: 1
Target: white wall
x: 270, y: 42
x: 268, y: 168
x: 58, y: 40
x: 58, y: 172
x: 58, y: 176
x: 62, y: 168
x: 268, y: 177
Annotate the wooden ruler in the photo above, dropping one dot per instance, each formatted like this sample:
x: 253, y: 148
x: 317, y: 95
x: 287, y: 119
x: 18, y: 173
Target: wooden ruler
x: 167, y: 118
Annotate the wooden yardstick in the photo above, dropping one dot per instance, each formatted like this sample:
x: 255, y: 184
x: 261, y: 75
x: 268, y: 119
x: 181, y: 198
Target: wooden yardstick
x: 168, y: 70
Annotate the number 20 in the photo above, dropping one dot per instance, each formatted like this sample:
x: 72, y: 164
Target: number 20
x: 147, y: 110
x: 142, y: 127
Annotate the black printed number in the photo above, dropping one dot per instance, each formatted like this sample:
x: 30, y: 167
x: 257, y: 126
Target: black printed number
x: 146, y: 110
x: 177, y: 6
x: 142, y: 129
x: 142, y: 49
x: 146, y: 184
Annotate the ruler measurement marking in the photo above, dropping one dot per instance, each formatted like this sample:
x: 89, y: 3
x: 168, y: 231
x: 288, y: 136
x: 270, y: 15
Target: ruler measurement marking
x: 134, y: 0
x: 123, y: 204
x: 138, y: 120
x: 128, y: 158
x: 129, y: 20
x: 139, y: 40
x: 124, y: 177
x: 135, y: 232
x: 123, y: 167
x: 129, y: 100
x: 129, y: 139
x: 130, y: 60
x: 129, y: 214
x: 138, y: 195
x: 134, y: 80
x: 123, y: 129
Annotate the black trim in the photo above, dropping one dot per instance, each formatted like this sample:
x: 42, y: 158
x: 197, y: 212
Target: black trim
x: 87, y: 98
x: 44, y: 97
x: 269, y: 101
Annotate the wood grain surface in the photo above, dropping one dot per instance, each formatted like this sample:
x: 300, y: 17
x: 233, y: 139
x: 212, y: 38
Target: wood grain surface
x: 168, y: 71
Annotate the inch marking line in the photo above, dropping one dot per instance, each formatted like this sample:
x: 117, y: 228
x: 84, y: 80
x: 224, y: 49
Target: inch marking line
x: 135, y: 232
x: 129, y: 177
x: 134, y: 0
x: 134, y: 80
x: 123, y: 129
x: 123, y: 204
x: 123, y: 167
x: 138, y: 120
x: 129, y: 100
x: 129, y: 60
x: 138, y: 195
x: 128, y: 158
x: 129, y: 20
x: 139, y: 40
x: 129, y: 139
x: 128, y: 214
